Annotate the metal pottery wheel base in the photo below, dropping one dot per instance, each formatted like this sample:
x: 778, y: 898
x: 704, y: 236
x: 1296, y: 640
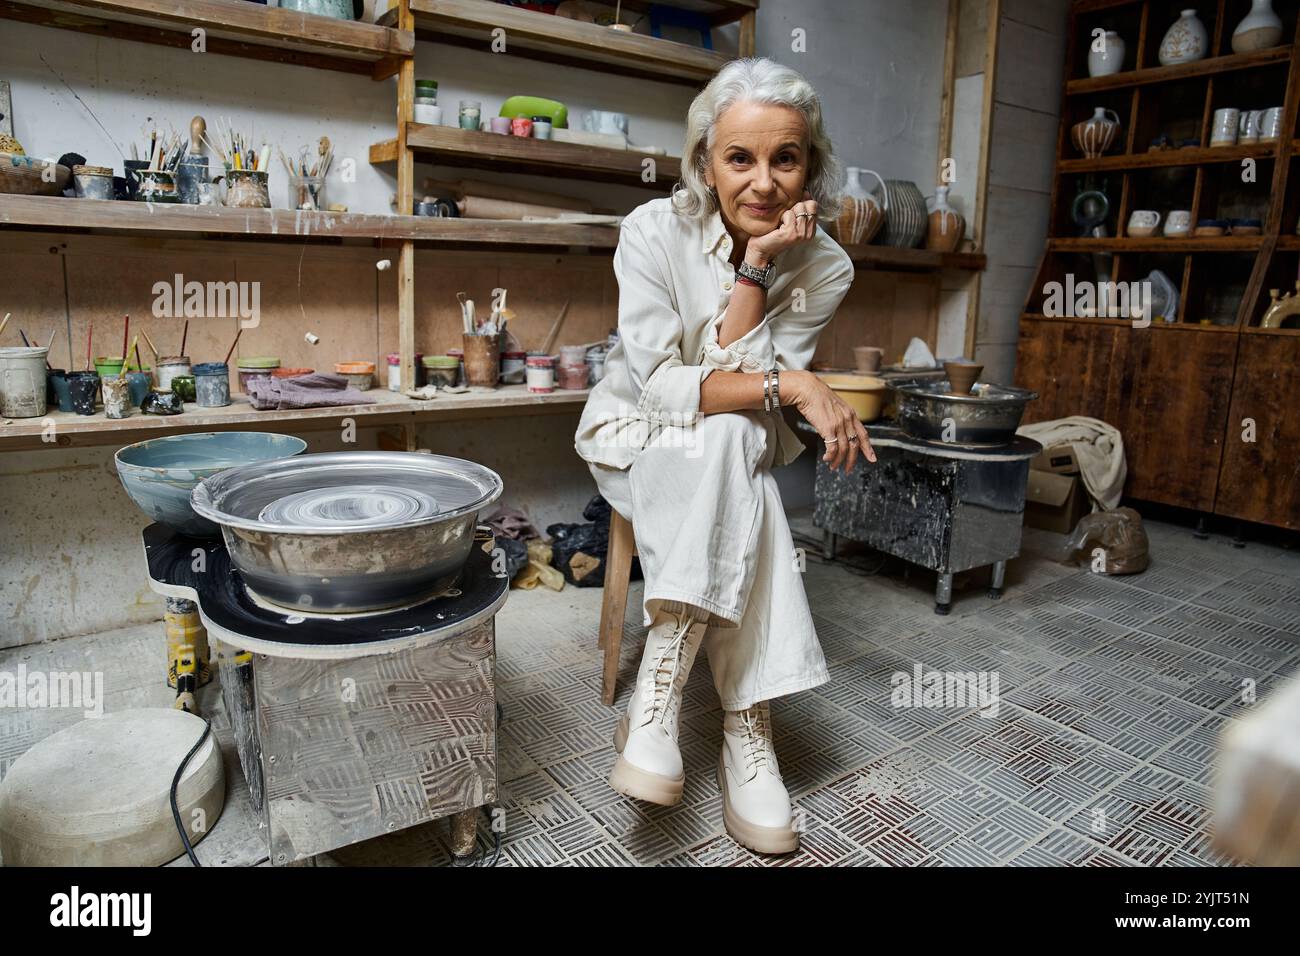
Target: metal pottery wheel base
x: 350, y: 726
x: 944, y: 506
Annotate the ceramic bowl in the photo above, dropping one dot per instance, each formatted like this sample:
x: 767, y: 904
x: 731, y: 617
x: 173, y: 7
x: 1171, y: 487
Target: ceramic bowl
x: 865, y: 394
x: 160, y: 473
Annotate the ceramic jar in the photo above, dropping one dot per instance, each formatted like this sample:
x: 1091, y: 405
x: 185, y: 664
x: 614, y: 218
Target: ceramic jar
x: 946, y: 225
x: 1143, y: 223
x: 1094, y: 136
x: 1178, y: 223
x: 907, y: 221
x: 1261, y: 28
x: 861, y: 216
x: 1227, y: 122
x: 1106, y: 55
x: 1185, y: 41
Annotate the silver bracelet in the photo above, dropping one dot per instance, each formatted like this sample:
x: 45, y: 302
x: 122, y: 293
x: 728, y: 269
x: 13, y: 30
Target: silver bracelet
x: 767, y: 384
x: 776, y: 389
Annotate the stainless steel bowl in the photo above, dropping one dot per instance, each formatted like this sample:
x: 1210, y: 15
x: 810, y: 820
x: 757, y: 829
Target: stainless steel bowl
x: 989, y: 415
x: 349, y: 531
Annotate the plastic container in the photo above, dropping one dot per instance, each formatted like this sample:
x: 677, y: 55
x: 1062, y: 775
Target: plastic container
x: 247, y: 188
x: 572, y: 376
x: 441, y: 370
x: 23, y: 386
x: 513, y: 367
x: 596, y: 362
x: 459, y: 356
x: 212, y: 384
x: 573, y: 355
x: 106, y: 367
x: 521, y: 126
x: 360, y: 375
x: 52, y: 393
x: 259, y: 366
x: 290, y: 372
x: 541, y: 374
x: 541, y: 127
x: 140, y: 382
x: 307, y: 192
x: 170, y: 366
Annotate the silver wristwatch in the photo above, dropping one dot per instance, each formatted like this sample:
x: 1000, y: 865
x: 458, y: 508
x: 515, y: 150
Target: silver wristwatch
x: 763, y: 277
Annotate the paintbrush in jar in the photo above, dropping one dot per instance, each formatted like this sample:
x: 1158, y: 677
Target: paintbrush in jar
x: 126, y: 361
x: 152, y: 348
x: 185, y: 333
x: 138, y: 364
x: 23, y: 335
x: 231, y: 350
x: 90, y: 336
x: 126, y: 331
x: 5, y: 322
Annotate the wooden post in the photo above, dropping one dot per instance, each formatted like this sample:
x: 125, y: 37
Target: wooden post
x: 748, y: 29
x: 406, y: 207
x: 980, y: 213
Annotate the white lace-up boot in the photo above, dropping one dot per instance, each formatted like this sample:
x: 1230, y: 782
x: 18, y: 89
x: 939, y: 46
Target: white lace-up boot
x: 755, y: 803
x: 649, y: 765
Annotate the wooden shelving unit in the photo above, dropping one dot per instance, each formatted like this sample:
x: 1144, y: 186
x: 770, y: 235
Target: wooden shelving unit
x: 567, y: 42
x: 913, y: 260
x: 232, y: 27
x: 447, y: 145
x: 1179, y: 399
x: 78, y: 431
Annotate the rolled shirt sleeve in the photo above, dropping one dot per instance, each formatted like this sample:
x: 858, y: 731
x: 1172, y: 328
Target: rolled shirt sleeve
x: 651, y: 333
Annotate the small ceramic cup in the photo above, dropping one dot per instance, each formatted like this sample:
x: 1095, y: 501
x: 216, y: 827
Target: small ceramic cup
x: 501, y: 124
x: 1178, y: 223
x: 1248, y: 126
x: 1226, y: 124
x: 1270, y: 125
x: 1143, y: 223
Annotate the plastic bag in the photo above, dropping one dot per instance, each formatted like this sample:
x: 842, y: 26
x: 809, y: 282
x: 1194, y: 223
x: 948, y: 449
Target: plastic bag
x: 1111, y: 542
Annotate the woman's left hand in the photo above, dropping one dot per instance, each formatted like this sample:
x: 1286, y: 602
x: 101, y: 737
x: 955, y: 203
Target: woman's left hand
x: 798, y: 224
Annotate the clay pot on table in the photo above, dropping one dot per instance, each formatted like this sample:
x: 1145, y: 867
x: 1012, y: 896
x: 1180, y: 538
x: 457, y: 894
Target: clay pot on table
x: 961, y: 376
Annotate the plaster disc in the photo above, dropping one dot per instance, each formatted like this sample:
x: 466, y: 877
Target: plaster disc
x: 350, y: 506
x: 97, y: 793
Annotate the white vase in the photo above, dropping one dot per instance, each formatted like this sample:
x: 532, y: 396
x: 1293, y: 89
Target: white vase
x: 1261, y: 28
x: 1110, y: 58
x: 1185, y: 41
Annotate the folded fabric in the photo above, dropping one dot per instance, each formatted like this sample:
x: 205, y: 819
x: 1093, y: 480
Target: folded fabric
x: 1099, y: 449
x: 508, y: 522
x: 317, y: 390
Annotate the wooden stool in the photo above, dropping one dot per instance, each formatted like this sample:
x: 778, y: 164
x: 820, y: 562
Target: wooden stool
x: 613, y: 606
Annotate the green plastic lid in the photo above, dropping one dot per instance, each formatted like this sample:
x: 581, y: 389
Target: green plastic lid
x: 440, y: 361
x: 426, y: 84
x: 260, y: 361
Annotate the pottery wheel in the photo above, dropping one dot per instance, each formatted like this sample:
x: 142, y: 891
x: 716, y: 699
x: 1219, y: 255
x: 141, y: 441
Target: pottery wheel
x: 97, y: 794
x: 353, y: 506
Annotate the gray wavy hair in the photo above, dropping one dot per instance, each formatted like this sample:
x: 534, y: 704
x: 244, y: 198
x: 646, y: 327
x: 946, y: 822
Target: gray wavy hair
x: 757, y: 80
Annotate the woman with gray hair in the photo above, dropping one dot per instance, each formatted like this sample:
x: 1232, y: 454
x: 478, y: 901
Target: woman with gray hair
x: 723, y: 291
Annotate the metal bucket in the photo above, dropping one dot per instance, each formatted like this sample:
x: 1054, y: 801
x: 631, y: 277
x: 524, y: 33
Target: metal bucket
x: 22, y: 382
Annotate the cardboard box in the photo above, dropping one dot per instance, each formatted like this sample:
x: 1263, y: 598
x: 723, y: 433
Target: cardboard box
x: 1054, y: 502
x: 1059, y: 459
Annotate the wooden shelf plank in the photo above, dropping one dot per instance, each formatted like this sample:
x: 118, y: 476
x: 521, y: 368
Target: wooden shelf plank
x: 554, y: 39
x: 1181, y: 71
x: 1127, y: 323
x: 72, y: 430
x: 233, y: 28
x: 1191, y: 156
x: 459, y: 147
x: 138, y: 218
x: 1242, y: 244
x: 889, y: 258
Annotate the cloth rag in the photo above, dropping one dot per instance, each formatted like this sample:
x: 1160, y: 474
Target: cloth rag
x: 1099, y: 449
x: 316, y: 390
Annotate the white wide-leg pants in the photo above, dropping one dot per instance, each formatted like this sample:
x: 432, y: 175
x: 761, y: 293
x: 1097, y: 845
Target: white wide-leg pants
x: 713, y: 537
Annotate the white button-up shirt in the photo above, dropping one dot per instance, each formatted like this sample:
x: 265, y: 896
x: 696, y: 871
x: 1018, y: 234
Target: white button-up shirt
x: 675, y: 279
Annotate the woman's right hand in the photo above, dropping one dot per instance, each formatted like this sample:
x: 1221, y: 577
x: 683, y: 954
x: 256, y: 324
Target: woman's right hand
x: 834, y: 420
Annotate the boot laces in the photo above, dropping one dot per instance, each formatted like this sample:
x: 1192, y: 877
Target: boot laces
x: 666, y: 670
x: 756, y: 723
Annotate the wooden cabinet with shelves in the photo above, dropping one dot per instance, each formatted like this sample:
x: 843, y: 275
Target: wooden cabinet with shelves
x: 1178, y: 392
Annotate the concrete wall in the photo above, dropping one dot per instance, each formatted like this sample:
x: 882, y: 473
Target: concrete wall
x: 71, y: 560
x: 1026, y: 115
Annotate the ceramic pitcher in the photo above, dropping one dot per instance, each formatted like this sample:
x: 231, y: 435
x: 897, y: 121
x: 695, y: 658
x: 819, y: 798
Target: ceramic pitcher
x: 1094, y: 136
x: 861, y: 216
x: 946, y: 225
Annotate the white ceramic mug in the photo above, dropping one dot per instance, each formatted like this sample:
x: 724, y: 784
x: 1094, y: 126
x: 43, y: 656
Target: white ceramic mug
x: 1248, y: 127
x: 1143, y: 223
x: 1178, y: 222
x: 1226, y: 121
x: 1270, y: 125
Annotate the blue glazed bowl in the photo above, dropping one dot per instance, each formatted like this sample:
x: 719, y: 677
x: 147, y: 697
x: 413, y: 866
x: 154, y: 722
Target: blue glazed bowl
x: 160, y: 473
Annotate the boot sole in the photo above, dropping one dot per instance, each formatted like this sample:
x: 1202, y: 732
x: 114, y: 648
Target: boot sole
x: 632, y: 781
x: 760, y: 839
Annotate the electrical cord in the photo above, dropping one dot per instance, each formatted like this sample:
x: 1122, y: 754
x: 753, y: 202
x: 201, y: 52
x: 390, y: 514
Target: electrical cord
x: 176, y: 782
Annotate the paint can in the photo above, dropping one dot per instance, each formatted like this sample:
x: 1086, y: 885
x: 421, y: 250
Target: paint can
x: 190, y: 174
x: 441, y: 370
x: 92, y: 182
x: 212, y: 384
x: 541, y: 374
x: 117, y: 397
x: 394, y: 372
x: 254, y: 367
x: 482, y: 360
x: 596, y: 363
x: 22, y: 382
x: 170, y: 366
x: 512, y: 367
x: 185, y: 630
x: 83, y: 390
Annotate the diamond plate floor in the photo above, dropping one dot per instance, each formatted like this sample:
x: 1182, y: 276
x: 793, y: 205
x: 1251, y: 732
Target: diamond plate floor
x: 1100, y: 751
